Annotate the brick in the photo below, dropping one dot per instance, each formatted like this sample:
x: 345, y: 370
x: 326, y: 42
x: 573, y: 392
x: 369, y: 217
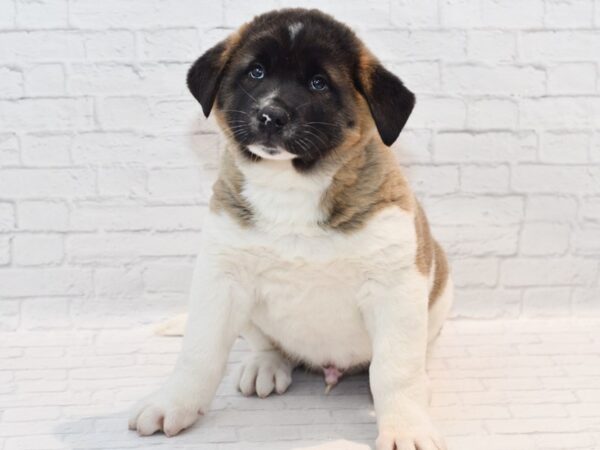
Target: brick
x: 559, y: 45
x: 478, y: 240
x: 587, y: 241
x: 170, y: 45
x: 572, y: 78
x: 45, y: 79
x: 7, y: 19
x: 432, y: 112
x: 55, y: 215
x: 39, y: 46
x: 127, y: 181
x: 28, y: 183
x: 484, y: 179
x: 544, y: 239
x: 45, y: 313
x: 565, y: 147
x: 491, y: 45
x: 585, y: 302
x: 179, y: 182
x: 9, y: 150
x: 549, y: 179
x: 46, y: 149
x: 34, y: 114
x: 495, y: 80
x: 547, y: 302
x: 461, y: 13
x: 433, y: 180
x: 484, y: 147
x: 5, y: 253
x: 24, y: 282
x: 498, y: 13
x: 118, y: 282
x: 548, y: 271
x: 492, y: 113
x: 37, y: 249
x: 550, y: 208
x: 7, y: 217
x: 475, y: 272
x: 414, y: 13
x: 363, y: 15
x: 10, y: 314
x: 108, y: 45
x: 470, y: 210
x: 487, y: 304
x: 568, y: 14
x: 12, y: 83
x: 42, y: 13
x: 419, y: 77
x: 418, y: 45
x: 163, y: 276
x: 413, y: 146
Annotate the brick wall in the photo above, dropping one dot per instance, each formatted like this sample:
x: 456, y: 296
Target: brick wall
x: 106, y: 162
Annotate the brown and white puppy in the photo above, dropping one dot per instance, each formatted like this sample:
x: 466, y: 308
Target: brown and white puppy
x: 315, y: 249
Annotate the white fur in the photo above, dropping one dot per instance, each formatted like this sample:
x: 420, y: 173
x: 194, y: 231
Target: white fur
x: 276, y: 154
x: 326, y: 297
x: 295, y: 29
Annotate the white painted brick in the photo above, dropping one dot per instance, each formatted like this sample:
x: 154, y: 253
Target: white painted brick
x: 495, y: 80
x: 547, y: 302
x: 24, y: 282
x: 108, y: 45
x: 564, y: 179
x: 12, y: 82
x: 550, y: 208
x: 461, y: 13
x: 40, y: 46
x: 7, y: 216
x: 238, y: 12
x: 478, y: 240
x: 418, y: 45
x: 587, y: 241
x: 9, y: 150
x: 94, y: 216
x: 164, y: 276
x: 544, y: 239
x: 475, y: 272
x: 43, y: 215
x: 559, y: 45
x: 7, y: 18
x: 471, y: 210
x: 45, y: 313
x: 45, y: 79
x: 419, y: 77
x: 5, y: 254
x: 487, y: 304
x: 413, y: 146
x: 118, y: 282
x: 565, y: 147
x: 37, y: 249
x: 414, y: 13
x: 34, y: 114
x: 433, y: 180
x: 590, y: 209
x: 501, y: 13
x: 180, y: 182
x: 484, y: 179
x: 572, y: 78
x: 360, y: 14
x: 431, y: 112
x: 485, y: 147
x: 585, y: 302
x: 170, y: 45
x: 129, y: 181
x: 42, y: 13
x: 548, y: 271
x: 9, y: 313
x: 569, y: 13
x: 492, y: 113
x: 46, y: 149
x: 28, y: 183
x: 491, y: 45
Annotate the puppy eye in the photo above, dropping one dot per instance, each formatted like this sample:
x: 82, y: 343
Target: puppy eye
x: 257, y: 71
x: 318, y: 83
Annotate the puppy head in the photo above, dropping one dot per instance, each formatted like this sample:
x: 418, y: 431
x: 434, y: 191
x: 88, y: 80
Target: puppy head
x: 296, y: 84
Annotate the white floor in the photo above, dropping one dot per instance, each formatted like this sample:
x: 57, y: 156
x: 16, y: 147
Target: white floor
x: 498, y: 385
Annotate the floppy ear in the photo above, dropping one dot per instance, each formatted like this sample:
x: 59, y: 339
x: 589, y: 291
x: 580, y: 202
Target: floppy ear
x: 389, y: 100
x: 204, y: 77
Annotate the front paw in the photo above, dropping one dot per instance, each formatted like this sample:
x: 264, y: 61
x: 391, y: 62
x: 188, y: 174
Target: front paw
x: 264, y: 372
x: 169, y: 410
x: 409, y: 438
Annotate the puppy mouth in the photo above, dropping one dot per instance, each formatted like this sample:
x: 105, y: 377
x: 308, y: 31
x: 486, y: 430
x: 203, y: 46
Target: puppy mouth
x: 274, y: 153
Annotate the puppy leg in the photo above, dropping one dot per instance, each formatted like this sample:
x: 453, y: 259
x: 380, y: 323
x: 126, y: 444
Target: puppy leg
x: 396, y: 319
x: 218, y: 311
x: 266, y: 369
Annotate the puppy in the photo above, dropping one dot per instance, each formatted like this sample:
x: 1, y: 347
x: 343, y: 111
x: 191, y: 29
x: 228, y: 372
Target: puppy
x: 315, y: 249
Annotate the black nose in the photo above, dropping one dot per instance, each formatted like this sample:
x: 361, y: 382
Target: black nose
x: 273, y: 117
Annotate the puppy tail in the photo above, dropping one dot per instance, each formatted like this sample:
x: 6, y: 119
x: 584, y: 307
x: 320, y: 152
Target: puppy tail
x: 172, y: 327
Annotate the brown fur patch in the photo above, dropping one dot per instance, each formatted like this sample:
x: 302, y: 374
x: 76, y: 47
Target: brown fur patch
x: 227, y: 192
x: 424, y: 257
x: 440, y: 278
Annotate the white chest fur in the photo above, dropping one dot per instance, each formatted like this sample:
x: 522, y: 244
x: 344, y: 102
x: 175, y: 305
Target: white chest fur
x: 306, y: 279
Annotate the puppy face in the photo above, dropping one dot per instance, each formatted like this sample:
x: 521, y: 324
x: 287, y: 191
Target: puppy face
x: 296, y: 84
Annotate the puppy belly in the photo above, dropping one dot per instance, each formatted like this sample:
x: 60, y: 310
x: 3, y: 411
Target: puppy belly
x: 312, y: 316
